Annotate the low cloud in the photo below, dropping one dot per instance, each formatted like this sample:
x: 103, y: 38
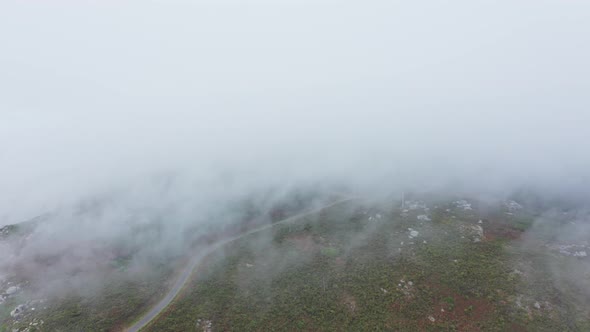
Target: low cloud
x: 115, y: 116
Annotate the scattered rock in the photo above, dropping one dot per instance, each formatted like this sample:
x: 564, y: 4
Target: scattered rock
x: 415, y: 205
x: 431, y: 318
x: 463, y: 204
x: 406, y: 287
x: 574, y: 250
x: 423, y: 217
x: 474, y: 231
x: 204, y: 325
x: 18, y: 311
x: 512, y: 206
x: 479, y: 230
x: 12, y: 290
x: 413, y: 233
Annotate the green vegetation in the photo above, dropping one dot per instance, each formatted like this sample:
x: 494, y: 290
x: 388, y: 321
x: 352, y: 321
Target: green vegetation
x: 120, y: 301
x: 341, y: 271
x: 330, y: 251
x: 348, y: 268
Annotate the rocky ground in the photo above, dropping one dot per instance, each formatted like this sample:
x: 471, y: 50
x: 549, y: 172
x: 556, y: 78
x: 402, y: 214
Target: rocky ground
x: 459, y: 265
x: 429, y: 264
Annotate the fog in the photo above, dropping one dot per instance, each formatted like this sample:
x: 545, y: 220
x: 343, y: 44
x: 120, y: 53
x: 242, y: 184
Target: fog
x: 176, y: 110
x: 95, y: 94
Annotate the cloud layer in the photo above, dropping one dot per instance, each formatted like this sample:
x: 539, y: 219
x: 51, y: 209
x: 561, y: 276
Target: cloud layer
x: 97, y: 97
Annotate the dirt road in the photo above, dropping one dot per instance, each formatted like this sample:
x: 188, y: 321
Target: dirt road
x: 186, y: 273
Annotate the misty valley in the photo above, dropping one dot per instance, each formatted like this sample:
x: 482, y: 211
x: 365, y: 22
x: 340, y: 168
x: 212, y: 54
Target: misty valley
x: 318, y: 262
x: 294, y: 165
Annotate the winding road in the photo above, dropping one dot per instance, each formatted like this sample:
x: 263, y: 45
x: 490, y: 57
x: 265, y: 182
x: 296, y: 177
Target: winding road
x: 186, y: 273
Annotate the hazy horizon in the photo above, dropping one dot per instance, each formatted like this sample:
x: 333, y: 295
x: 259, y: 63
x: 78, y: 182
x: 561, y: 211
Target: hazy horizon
x: 98, y: 97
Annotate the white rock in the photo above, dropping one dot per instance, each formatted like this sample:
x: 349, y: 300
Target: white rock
x: 415, y: 205
x: 18, y: 311
x: 423, y: 217
x: 575, y: 250
x: 479, y: 230
x: 512, y: 205
x: 12, y: 290
x: 463, y: 204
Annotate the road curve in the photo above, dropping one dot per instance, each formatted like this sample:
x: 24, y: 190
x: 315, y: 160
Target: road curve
x: 188, y: 270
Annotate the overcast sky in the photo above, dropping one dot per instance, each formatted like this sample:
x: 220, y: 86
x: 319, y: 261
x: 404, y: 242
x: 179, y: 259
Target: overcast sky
x: 97, y: 94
